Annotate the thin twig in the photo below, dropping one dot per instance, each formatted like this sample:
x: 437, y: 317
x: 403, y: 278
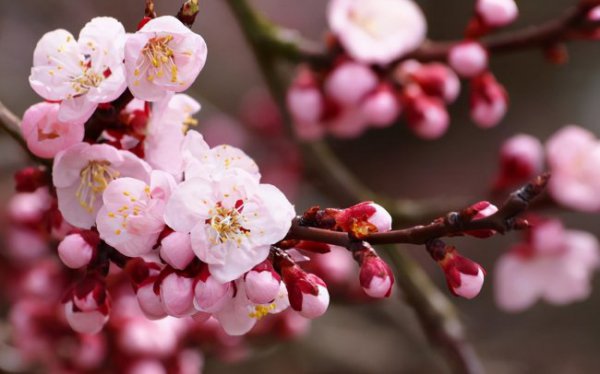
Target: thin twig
x: 10, y: 123
x: 454, y: 223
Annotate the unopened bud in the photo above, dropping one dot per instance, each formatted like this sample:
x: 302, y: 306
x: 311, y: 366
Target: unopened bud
x: 468, y: 59
x: 376, y: 277
x: 497, y: 13
x: 209, y: 294
x: 76, y: 250
x: 262, y: 283
x: 363, y: 219
x: 307, y: 293
x: 489, y: 101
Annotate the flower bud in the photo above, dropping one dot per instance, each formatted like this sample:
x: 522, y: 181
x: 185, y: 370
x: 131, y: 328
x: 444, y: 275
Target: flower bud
x: 376, y: 277
x: 307, y: 293
x: 150, y: 302
x: 211, y: 295
x: 489, y: 101
x: 521, y: 158
x: 468, y: 59
x: 482, y: 209
x: 87, y: 306
x: 497, y: 13
x: 30, y: 179
x: 262, y: 283
x: 463, y: 276
x: 381, y: 108
x: 304, y: 99
x: 437, y: 80
x: 427, y: 116
x: 350, y: 82
x: 363, y: 219
x: 176, y: 250
x: 76, y: 250
x: 176, y: 295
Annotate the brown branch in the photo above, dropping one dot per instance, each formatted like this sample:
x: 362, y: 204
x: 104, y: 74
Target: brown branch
x: 10, y: 123
x: 454, y: 223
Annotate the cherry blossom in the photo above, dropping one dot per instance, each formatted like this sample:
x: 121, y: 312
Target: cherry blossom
x: 554, y: 264
x: 81, y: 73
x: 163, y: 57
x: 573, y: 154
x: 76, y: 250
x: 521, y: 158
x: 377, y: 31
x: 82, y: 173
x: 489, y: 101
x: 45, y: 134
x: 235, y: 223
x: 468, y: 59
x: 240, y: 314
x: 131, y: 218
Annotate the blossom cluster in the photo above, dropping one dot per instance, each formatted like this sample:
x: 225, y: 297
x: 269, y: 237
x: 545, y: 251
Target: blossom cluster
x: 372, y: 80
x: 194, y: 227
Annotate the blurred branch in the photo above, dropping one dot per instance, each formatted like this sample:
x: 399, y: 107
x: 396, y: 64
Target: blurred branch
x: 10, y: 123
x: 454, y: 223
x: 290, y: 45
x: 442, y: 327
x: 435, y: 312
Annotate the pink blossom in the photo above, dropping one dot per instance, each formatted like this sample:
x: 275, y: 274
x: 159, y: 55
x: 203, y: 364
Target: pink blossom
x: 150, y: 302
x: 555, y: 265
x: 45, y: 134
x: 489, y: 101
x: 350, y: 82
x: 162, y: 57
x: 306, y: 105
x: 468, y: 59
x: 262, y: 283
x: 82, y: 173
x: 235, y: 223
x: 377, y: 31
x: 165, y: 134
x: 75, y: 251
x: 573, y: 154
x: 521, y: 158
x: 381, y: 107
x: 240, y: 314
x: 139, y: 336
x: 176, y: 250
x: 29, y: 207
x: 497, y: 13
x: 131, y: 218
x: 83, y: 73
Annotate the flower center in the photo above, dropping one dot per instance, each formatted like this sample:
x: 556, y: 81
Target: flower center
x: 95, y: 177
x: 88, y: 79
x: 158, y: 53
x: 366, y: 23
x: 261, y: 311
x: 227, y: 223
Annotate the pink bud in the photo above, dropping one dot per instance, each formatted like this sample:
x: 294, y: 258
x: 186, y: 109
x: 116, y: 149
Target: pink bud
x: 381, y: 108
x: 483, y: 209
x: 427, y: 116
x: 376, y: 277
x: 364, y: 218
x: 176, y: 294
x: 85, y: 322
x: 75, y: 252
x: 29, y: 207
x: 147, y: 366
x: 489, y: 101
x: 305, y: 103
x: 437, y: 80
x: 350, y: 82
x: 88, y: 305
x: 464, y: 276
x: 176, y: 250
x: 594, y: 14
x: 497, y: 13
x: 45, y: 134
x: 521, y: 158
x: 307, y: 293
x: 150, y: 302
x: 262, y: 283
x: 468, y: 59
x: 209, y: 294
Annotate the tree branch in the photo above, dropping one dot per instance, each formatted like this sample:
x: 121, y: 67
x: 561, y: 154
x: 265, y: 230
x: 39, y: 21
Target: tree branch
x: 10, y: 123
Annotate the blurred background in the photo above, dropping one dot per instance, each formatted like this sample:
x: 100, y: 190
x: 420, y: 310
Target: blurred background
x: 381, y: 337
